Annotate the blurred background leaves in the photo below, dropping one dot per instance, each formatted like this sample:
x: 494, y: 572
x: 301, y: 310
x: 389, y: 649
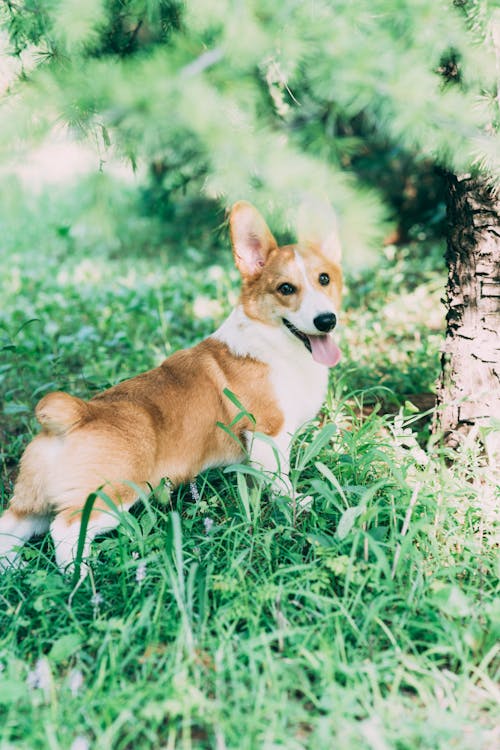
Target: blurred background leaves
x: 208, y: 102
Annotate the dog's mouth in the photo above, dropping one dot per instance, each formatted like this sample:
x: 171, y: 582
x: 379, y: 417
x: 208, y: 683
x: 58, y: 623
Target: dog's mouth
x: 322, y: 347
x: 301, y: 336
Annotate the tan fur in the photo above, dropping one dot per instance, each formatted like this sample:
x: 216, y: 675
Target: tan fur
x: 162, y: 423
x: 58, y: 412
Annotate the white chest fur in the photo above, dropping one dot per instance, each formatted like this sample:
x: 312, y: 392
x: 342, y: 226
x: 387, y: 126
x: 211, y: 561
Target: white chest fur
x: 300, y: 383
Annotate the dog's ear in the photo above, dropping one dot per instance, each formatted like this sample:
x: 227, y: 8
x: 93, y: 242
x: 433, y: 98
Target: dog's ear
x: 317, y: 226
x: 251, y: 239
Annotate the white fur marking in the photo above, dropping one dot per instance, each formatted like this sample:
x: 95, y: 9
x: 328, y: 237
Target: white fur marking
x: 314, y: 303
x: 299, y: 383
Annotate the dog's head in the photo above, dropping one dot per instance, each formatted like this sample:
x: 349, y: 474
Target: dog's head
x: 295, y: 286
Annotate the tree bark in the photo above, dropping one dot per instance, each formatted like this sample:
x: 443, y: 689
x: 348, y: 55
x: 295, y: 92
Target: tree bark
x: 469, y: 386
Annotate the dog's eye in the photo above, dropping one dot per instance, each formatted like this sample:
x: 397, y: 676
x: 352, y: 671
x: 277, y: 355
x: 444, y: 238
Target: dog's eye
x: 286, y: 289
x: 324, y: 279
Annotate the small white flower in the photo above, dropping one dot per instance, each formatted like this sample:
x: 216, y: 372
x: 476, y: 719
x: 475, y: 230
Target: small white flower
x: 75, y: 681
x: 193, y: 488
x: 140, y: 573
x: 80, y: 743
x: 39, y: 678
x: 208, y: 524
x: 96, y: 599
x: 135, y: 555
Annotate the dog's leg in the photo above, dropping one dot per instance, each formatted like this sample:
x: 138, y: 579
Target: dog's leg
x: 15, y: 529
x: 65, y: 531
x: 272, y: 455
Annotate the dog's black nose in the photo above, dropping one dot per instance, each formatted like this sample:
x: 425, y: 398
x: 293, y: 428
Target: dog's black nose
x: 325, y: 322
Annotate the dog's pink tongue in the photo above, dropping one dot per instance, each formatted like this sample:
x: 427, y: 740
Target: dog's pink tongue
x: 325, y: 350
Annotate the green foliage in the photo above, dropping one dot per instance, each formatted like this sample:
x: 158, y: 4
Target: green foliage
x: 365, y: 616
x: 236, y: 100
x: 70, y: 29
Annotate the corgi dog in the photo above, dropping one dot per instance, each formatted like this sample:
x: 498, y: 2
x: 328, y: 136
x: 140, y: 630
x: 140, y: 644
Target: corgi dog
x: 272, y: 352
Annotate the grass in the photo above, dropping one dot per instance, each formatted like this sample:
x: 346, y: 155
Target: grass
x: 368, y: 619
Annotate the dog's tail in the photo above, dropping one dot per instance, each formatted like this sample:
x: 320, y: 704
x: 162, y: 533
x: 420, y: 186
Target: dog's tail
x: 58, y: 412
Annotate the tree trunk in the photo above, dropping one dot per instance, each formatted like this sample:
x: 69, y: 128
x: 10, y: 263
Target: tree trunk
x: 469, y: 387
